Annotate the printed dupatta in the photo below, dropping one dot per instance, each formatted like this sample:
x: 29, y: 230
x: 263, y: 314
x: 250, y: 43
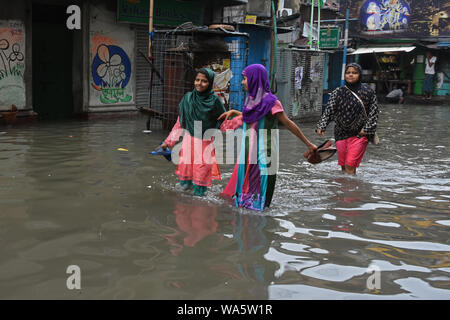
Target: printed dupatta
x: 258, y: 164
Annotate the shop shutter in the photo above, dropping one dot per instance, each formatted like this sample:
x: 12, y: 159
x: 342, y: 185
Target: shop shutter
x: 142, y: 67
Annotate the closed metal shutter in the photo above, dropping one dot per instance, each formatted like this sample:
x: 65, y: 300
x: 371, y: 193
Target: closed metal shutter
x: 142, y: 67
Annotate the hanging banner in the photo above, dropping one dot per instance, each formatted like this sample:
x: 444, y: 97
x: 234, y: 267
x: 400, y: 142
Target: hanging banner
x: 307, y: 30
x: 166, y: 12
x: 399, y: 18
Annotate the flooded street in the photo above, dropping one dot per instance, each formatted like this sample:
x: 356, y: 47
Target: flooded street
x: 68, y: 196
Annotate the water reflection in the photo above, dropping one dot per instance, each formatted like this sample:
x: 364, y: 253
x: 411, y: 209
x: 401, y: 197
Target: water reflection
x: 250, y: 235
x: 197, y: 226
x: 249, y: 272
x: 195, y: 220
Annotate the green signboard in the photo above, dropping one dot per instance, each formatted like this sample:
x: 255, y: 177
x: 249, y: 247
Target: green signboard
x: 329, y: 38
x: 166, y: 12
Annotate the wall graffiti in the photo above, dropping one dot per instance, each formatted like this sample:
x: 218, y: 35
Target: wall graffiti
x: 111, y: 72
x: 97, y: 40
x: 12, y: 64
x: 112, y: 49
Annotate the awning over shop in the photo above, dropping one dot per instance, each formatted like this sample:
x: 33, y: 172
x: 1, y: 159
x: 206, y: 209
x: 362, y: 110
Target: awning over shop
x: 266, y: 27
x: 230, y: 2
x: 381, y: 49
x: 443, y: 44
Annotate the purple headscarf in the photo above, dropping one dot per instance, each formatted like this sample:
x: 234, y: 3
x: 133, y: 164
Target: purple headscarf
x: 260, y: 99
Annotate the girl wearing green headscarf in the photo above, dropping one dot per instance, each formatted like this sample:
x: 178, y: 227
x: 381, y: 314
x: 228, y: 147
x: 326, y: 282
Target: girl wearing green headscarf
x: 197, y: 112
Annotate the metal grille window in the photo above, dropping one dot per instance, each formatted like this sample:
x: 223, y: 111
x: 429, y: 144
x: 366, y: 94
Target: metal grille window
x: 300, y: 82
x: 177, y: 54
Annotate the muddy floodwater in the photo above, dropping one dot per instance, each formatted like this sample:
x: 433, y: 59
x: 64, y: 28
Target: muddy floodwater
x: 69, y: 197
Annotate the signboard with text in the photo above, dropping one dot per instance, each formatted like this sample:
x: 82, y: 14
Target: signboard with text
x: 329, y: 37
x: 249, y: 19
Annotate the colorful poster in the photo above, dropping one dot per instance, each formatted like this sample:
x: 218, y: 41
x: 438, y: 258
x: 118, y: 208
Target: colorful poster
x: 399, y: 18
x: 12, y: 63
x: 384, y: 16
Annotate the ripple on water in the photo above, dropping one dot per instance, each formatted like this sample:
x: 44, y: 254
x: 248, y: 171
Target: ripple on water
x: 387, y: 224
x: 414, y: 245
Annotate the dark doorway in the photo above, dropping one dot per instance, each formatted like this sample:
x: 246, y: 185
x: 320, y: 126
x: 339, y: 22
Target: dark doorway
x: 335, y: 70
x: 52, y: 62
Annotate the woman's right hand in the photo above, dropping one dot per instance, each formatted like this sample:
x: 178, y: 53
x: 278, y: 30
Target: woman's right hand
x: 229, y: 114
x: 319, y: 132
x: 162, y: 145
x: 312, y: 147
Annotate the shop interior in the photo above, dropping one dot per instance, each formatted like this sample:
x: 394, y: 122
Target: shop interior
x: 387, y: 70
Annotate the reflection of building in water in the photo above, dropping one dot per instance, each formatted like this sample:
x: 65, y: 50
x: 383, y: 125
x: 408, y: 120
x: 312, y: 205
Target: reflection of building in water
x: 417, y: 228
x: 427, y: 259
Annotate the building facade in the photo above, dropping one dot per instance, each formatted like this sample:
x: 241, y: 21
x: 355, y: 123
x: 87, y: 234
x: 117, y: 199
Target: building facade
x: 406, y: 29
x: 60, y: 58
x: 301, y: 69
